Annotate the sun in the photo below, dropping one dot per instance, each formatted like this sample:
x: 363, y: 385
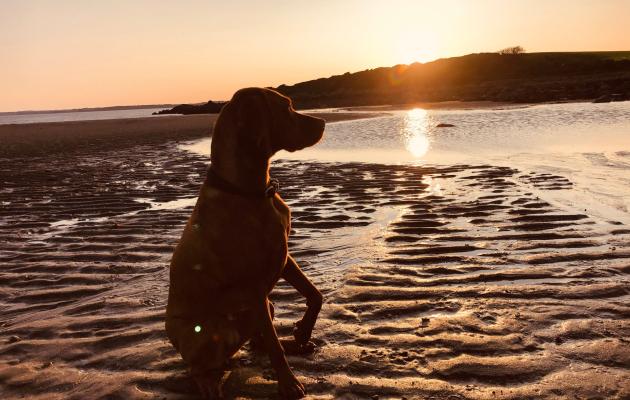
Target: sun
x: 417, y: 53
x: 412, y: 48
x: 418, y: 56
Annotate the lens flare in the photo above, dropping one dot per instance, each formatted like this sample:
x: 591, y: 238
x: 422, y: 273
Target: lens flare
x: 197, y: 328
x: 396, y: 74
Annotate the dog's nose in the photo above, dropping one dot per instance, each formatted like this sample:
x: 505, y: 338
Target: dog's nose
x: 322, y: 123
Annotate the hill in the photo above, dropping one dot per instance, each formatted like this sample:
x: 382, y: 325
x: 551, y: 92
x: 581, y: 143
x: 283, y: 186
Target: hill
x: 529, y: 77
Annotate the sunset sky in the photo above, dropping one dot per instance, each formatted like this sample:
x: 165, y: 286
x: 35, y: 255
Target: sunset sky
x: 64, y: 54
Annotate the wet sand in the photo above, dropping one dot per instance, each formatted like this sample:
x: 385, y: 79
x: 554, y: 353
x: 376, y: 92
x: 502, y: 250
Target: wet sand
x: 440, y: 282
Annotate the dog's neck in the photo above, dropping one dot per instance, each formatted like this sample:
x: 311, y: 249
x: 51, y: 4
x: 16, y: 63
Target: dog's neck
x: 247, y: 175
x: 237, y: 159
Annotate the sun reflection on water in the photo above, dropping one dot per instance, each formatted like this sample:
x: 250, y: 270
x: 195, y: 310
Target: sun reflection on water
x: 415, y: 128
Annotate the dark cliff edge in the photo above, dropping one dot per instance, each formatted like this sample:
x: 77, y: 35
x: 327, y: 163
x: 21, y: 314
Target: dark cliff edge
x: 521, y: 78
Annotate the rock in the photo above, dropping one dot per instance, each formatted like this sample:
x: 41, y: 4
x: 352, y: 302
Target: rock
x: 618, y: 97
x: 445, y: 125
x: 606, y: 98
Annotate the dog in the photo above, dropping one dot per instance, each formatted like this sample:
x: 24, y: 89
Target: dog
x: 234, y: 247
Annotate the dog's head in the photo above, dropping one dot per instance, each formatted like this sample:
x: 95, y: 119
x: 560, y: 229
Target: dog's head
x: 262, y: 122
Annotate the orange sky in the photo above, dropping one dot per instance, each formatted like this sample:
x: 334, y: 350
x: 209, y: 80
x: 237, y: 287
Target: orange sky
x: 64, y: 54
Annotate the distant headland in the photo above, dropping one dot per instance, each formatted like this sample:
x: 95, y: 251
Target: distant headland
x: 210, y: 107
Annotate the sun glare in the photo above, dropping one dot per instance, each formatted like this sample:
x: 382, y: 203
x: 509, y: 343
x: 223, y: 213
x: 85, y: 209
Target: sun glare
x: 418, y: 56
x: 417, y: 48
x: 415, y: 127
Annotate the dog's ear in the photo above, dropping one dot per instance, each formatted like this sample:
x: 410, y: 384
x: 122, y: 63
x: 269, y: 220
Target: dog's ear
x: 252, y: 124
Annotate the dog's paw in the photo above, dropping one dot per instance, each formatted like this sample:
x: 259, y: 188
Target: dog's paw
x: 302, y: 332
x: 290, y: 387
x: 295, y: 348
x: 209, y: 386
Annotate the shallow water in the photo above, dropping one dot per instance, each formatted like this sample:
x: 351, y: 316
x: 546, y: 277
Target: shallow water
x: 31, y: 118
x: 585, y: 142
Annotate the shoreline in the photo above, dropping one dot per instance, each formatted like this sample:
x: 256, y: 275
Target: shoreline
x: 39, y: 138
x: 442, y: 105
x: 463, y: 105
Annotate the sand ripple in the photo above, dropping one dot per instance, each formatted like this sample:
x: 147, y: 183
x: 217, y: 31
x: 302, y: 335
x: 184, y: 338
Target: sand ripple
x: 443, y: 282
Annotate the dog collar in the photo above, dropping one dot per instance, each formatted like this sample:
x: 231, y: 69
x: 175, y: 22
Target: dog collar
x: 215, y: 181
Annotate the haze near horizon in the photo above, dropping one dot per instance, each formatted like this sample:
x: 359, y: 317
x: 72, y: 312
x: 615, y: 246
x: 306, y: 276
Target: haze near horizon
x: 72, y: 54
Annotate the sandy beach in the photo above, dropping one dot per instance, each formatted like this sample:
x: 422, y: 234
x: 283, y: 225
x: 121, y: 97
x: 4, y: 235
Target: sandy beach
x: 454, y: 281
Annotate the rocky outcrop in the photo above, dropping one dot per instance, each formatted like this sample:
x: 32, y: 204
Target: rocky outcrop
x: 210, y: 107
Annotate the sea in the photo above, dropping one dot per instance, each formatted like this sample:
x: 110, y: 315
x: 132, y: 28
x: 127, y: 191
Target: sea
x: 74, y: 115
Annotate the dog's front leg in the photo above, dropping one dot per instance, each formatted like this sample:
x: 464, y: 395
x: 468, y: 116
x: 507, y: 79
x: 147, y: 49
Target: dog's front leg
x: 304, y: 327
x: 288, y: 384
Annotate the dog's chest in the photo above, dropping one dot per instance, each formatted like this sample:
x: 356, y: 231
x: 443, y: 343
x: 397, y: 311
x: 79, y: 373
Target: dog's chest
x: 241, y: 240
x: 283, y: 213
x: 277, y: 245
